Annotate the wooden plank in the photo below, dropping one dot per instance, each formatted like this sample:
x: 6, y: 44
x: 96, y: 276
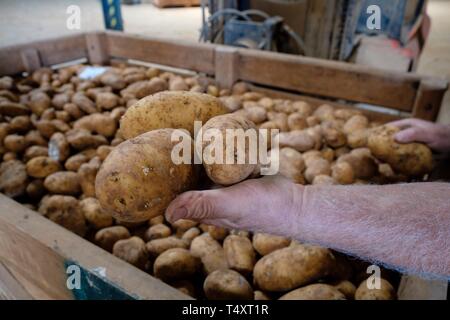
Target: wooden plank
x: 174, y: 53
x: 36, y: 251
x: 429, y: 98
x: 10, y: 287
x: 51, y: 52
x: 415, y: 288
x: 329, y: 79
x: 97, y: 49
x: 30, y: 59
x: 315, y: 102
x: 226, y: 64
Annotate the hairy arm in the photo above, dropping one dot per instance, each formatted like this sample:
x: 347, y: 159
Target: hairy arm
x: 404, y: 226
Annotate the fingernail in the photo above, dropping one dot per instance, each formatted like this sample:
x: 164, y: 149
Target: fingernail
x: 178, y: 213
x: 400, y: 136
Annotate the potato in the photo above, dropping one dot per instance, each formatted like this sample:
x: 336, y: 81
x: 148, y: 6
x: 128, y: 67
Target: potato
x: 41, y: 167
x: 73, y: 110
x: 35, y: 189
x: 324, y: 112
x: 157, y: 246
x: 94, y: 214
x: 217, y: 233
x: 83, y: 102
x: 347, y: 288
x: 318, y: 291
x: 63, y: 182
x: 216, y: 130
x: 33, y: 137
x: 323, y: 179
x: 299, y: 140
x: 239, y: 88
x: 334, y: 137
x: 317, y: 167
x: 239, y: 254
x: 256, y: 114
x: 210, y: 252
x: 227, y: 285
x: 107, y: 237
x: 182, y: 225
x: 169, y: 109
x: 103, y: 152
x: 141, y: 89
x: 12, y: 109
x: 175, y: 264
x: 65, y: 211
x: 178, y: 84
x: 58, y: 147
x: 413, y: 159
x: 81, y: 139
x: 87, y: 174
x: 291, y: 267
x: 231, y: 103
x: 342, y: 172
x: 358, y: 138
x: 15, y: 143
x: 99, y: 123
x: 291, y: 164
x: 279, y: 119
x: 259, y: 296
x: 355, y: 123
x: 113, y: 79
x: 157, y: 220
x: 106, y: 100
x: 297, y: 121
x: 185, y: 286
x: 138, y: 179
x: 386, y: 291
x: 13, y: 178
x: 265, y: 243
x: 191, y: 234
x: 132, y: 250
x: 74, y: 162
x: 363, y: 165
x: 6, y: 82
x: 157, y: 231
x: 20, y: 124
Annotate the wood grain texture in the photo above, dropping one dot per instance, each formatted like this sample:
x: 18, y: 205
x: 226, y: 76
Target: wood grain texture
x: 35, y: 251
x: 51, y: 52
x: 329, y: 79
x: 197, y: 57
x: 429, y: 98
x: 226, y: 66
x: 97, y: 48
x: 31, y: 59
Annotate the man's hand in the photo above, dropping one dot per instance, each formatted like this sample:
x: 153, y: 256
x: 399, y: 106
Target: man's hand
x: 270, y: 204
x: 436, y: 136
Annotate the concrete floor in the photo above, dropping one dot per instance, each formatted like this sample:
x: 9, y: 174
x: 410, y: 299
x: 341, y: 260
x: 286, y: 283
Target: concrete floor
x: 26, y: 20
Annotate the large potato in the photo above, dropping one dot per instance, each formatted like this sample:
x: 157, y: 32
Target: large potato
x: 318, y: 291
x: 411, y: 159
x: 176, y: 109
x: 138, y: 179
x: 215, y: 131
x: 385, y: 292
x: 291, y: 267
x: 266, y: 243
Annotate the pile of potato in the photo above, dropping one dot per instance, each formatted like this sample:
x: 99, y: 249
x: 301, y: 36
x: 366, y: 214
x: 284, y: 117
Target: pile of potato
x: 57, y: 129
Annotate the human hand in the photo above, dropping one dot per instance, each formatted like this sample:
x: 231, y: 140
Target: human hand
x: 270, y: 204
x: 436, y: 136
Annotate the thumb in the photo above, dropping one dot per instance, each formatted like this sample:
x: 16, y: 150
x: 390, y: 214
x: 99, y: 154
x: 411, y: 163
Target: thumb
x: 408, y: 135
x: 195, y: 205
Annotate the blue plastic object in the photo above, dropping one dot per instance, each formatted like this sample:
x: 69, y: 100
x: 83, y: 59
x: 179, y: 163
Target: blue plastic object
x: 112, y: 15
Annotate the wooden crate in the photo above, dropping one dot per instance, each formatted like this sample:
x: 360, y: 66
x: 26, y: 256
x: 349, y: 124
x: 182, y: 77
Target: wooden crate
x: 35, y: 252
x: 175, y: 3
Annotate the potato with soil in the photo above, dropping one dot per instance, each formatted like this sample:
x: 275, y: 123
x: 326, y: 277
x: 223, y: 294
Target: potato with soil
x: 210, y: 252
x: 157, y: 246
x: 291, y: 267
x: 413, y: 159
x: 94, y: 214
x: 240, y: 254
x: 157, y: 231
x: 13, y: 178
x: 65, y: 211
x: 227, y: 285
x: 107, y: 237
x: 175, y: 264
x: 291, y: 164
x: 215, y: 141
x: 63, y: 182
x: 41, y: 167
x: 132, y: 250
x: 318, y: 291
x: 168, y: 109
x: 87, y: 173
x: 139, y: 179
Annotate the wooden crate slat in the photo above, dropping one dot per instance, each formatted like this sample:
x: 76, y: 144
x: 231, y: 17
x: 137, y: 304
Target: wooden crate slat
x: 196, y: 57
x: 429, y: 99
x: 36, y: 250
x: 51, y: 52
x: 329, y: 78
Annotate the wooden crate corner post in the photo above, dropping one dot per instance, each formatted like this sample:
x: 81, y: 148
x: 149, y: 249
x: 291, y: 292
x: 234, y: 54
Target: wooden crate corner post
x: 429, y: 98
x: 31, y: 59
x: 226, y: 60
x: 97, y: 49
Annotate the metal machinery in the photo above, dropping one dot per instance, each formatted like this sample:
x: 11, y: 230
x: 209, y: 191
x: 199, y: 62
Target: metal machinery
x: 253, y: 29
